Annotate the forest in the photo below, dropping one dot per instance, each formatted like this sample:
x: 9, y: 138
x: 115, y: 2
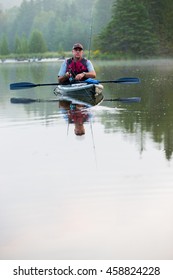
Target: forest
x: 117, y: 27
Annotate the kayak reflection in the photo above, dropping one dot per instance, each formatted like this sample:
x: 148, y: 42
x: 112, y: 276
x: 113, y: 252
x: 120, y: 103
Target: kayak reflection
x: 76, y: 114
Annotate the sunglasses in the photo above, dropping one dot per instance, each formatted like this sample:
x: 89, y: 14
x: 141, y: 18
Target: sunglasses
x: 78, y: 49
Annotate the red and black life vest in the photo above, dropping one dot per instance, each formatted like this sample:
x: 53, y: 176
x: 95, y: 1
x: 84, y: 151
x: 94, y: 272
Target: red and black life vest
x: 76, y: 67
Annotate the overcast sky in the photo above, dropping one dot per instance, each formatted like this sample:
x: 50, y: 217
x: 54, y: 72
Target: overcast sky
x: 5, y: 4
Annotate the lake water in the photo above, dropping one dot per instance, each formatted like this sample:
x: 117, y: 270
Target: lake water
x: 105, y: 195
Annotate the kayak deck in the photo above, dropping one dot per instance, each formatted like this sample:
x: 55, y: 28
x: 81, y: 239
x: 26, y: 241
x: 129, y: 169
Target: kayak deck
x: 90, y: 94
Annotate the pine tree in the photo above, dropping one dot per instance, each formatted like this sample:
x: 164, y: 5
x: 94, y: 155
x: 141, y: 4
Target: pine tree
x: 4, y: 46
x: 130, y: 30
x: 161, y: 14
x: 17, y: 47
x: 37, y: 43
x: 24, y: 44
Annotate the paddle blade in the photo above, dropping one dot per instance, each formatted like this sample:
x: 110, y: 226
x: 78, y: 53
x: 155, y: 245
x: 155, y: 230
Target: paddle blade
x: 128, y: 81
x: 131, y: 100
x: 126, y: 100
x: 22, y: 100
x: 21, y: 85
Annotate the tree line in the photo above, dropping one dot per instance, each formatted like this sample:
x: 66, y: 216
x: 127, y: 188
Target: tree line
x: 35, y: 44
x: 57, y: 24
x: 134, y: 27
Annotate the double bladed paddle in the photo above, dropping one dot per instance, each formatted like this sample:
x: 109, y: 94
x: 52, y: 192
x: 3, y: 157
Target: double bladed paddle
x: 25, y: 85
x: 16, y: 100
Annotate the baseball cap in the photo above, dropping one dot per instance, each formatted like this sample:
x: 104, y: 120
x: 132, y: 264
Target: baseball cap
x: 77, y: 45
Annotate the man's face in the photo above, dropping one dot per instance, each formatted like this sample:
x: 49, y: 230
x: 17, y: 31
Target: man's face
x: 77, y: 53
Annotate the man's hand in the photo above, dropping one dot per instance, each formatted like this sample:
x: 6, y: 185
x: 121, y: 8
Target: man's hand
x: 80, y: 76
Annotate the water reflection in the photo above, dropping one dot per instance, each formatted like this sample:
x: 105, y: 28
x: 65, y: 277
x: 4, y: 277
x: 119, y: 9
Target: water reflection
x: 153, y: 116
x: 77, y: 114
x: 55, y: 201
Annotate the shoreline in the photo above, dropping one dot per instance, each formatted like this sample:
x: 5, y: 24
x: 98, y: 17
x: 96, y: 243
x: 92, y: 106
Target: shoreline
x: 30, y: 60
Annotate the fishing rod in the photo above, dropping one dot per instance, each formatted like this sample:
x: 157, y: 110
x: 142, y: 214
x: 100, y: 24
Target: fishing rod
x: 90, y: 35
x: 93, y: 142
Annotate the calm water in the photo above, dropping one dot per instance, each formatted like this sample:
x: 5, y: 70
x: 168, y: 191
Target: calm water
x: 105, y: 195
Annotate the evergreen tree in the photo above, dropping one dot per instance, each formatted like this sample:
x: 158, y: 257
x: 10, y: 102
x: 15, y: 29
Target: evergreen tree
x: 3, y: 25
x: 37, y: 43
x: 24, y: 19
x: 4, y: 46
x: 130, y: 30
x: 24, y: 44
x: 161, y: 14
x: 17, y: 47
x: 21, y: 45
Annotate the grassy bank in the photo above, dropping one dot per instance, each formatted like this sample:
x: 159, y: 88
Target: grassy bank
x: 93, y: 55
x: 96, y: 55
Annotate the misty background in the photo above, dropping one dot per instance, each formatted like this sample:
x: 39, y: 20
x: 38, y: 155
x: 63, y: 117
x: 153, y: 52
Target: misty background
x: 129, y: 28
x: 6, y: 4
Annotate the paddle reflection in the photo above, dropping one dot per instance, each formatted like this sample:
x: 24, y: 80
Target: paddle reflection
x: 76, y: 114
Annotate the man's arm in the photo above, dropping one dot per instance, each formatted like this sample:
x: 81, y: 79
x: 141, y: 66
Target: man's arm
x: 63, y: 76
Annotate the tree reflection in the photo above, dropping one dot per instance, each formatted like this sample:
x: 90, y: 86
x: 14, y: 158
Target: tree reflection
x: 152, y: 117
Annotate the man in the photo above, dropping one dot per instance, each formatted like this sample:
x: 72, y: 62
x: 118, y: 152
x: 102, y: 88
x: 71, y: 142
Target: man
x: 77, y: 67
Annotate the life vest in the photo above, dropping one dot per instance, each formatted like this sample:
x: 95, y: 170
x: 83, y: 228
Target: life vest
x: 76, y: 67
x: 77, y: 116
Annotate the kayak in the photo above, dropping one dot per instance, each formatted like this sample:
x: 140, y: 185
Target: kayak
x: 88, y: 94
